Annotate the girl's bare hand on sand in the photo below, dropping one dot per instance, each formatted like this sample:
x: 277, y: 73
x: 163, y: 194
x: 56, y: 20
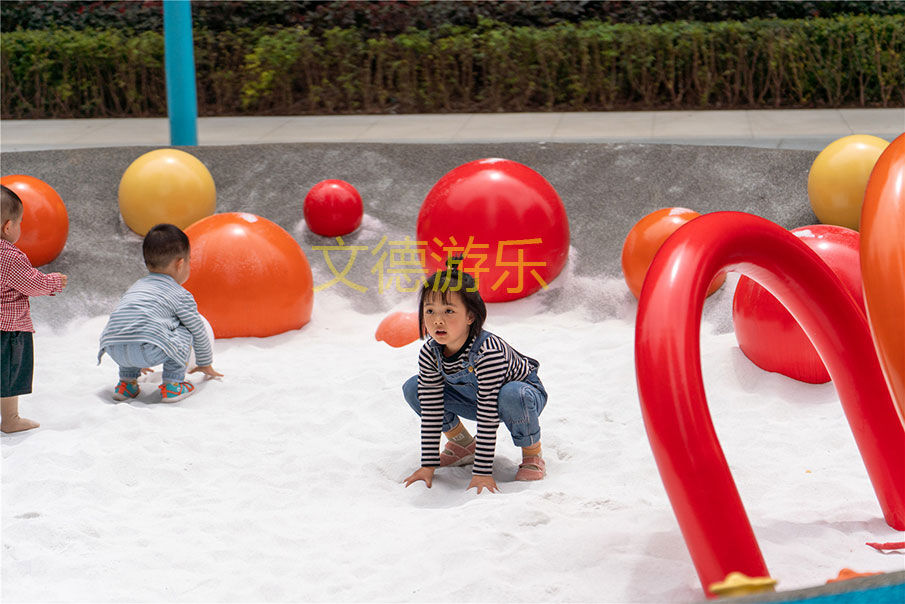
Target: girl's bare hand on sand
x: 425, y: 474
x: 483, y: 482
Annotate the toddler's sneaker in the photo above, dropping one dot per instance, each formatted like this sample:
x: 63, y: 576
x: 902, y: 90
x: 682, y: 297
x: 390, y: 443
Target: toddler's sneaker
x: 170, y: 392
x: 125, y: 390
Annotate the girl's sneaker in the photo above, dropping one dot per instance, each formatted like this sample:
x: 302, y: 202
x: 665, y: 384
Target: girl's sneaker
x: 170, y: 392
x: 125, y: 390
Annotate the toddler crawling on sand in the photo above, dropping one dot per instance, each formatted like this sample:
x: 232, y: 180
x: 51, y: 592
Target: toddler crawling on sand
x: 157, y: 322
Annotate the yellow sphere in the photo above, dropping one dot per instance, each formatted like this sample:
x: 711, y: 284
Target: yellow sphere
x: 166, y: 185
x: 838, y: 178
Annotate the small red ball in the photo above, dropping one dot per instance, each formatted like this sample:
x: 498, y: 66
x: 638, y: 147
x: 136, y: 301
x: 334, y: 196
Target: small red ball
x: 45, y: 222
x: 768, y: 334
x: 333, y: 208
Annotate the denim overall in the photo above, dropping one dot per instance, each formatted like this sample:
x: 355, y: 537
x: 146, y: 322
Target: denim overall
x: 520, y: 403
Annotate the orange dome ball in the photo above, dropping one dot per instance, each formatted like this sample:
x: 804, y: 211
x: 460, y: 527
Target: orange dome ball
x: 644, y: 241
x: 398, y: 329
x: 882, y: 258
x: 249, y: 276
x: 45, y: 222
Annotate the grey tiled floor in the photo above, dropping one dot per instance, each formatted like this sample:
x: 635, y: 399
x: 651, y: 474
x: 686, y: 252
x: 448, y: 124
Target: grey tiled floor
x: 781, y: 128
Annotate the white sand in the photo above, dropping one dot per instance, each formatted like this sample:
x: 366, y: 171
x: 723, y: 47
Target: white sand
x: 282, y: 482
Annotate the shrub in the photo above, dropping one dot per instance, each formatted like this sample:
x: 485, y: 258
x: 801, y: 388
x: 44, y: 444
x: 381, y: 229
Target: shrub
x: 393, y: 17
x: 844, y: 61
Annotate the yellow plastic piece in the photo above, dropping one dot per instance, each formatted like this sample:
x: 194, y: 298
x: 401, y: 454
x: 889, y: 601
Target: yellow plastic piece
x: 166, y: 185
x: 838, y: 178
x: 740, y: 584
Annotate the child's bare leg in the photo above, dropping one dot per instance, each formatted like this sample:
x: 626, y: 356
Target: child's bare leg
x: 11, y: 422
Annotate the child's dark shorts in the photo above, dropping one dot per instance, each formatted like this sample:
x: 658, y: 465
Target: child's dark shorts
x: 18, y: 358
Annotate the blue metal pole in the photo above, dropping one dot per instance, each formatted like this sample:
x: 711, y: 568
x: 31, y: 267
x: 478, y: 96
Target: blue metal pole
x: 179, y: 55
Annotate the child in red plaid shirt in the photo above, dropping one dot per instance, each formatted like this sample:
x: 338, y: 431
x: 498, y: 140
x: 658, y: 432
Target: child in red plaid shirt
x: 18, y: 280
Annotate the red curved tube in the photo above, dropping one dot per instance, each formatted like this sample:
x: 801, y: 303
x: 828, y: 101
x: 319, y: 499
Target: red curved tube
x: 668, y: 366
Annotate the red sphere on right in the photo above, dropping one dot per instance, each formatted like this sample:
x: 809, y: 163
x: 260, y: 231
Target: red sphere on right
x: 768, y: 334
x: 333, y: 208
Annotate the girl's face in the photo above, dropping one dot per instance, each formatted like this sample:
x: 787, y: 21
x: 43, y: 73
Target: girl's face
x: 447, y: 322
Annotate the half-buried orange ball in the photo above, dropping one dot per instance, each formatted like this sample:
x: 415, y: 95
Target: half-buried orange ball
x: 398, y: 329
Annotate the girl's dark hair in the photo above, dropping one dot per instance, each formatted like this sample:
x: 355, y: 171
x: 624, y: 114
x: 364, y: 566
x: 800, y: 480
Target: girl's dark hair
x: 163, y: 244
x: 454, y: 280
x: 10, y: 204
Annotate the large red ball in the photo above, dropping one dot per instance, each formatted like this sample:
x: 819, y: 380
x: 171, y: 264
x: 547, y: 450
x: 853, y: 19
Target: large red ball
x: 505, y: 218
x: 768, y: 334
x: 45, y: 222
x: 333, y: 208
x: 248, y: 275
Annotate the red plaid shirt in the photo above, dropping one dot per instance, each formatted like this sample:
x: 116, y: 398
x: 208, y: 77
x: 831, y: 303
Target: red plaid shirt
x: 19, y: 280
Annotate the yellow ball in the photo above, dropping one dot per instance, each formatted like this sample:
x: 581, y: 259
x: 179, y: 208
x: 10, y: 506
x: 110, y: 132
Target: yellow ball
x: 838, y: 178
x: 166, y: 185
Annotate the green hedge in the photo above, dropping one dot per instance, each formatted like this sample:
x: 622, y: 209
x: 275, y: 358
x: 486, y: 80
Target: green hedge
x: 846, y: 61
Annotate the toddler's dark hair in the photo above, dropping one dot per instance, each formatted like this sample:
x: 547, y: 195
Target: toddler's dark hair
x: 163, y: 244
x: 454, y: 280
x: 10, y: 204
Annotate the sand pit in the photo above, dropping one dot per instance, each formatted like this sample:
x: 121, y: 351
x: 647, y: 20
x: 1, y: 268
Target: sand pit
x: 283, y: 481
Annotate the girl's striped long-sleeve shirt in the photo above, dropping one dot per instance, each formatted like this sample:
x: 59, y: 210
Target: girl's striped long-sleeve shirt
x: 496, y: 364
x: 151, y: 311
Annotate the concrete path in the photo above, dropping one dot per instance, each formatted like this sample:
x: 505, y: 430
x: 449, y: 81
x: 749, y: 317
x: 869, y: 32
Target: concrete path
x: 809, y: 129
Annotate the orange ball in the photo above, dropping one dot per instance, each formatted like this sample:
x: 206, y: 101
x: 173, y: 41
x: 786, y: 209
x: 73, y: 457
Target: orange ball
x: 883, y: 264
x: 45, y: 222
x: 249, y: 276
x: 398, y: 329
x: 644, y: 240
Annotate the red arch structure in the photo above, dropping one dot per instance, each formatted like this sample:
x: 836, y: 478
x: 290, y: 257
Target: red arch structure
x: 692, y: 466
